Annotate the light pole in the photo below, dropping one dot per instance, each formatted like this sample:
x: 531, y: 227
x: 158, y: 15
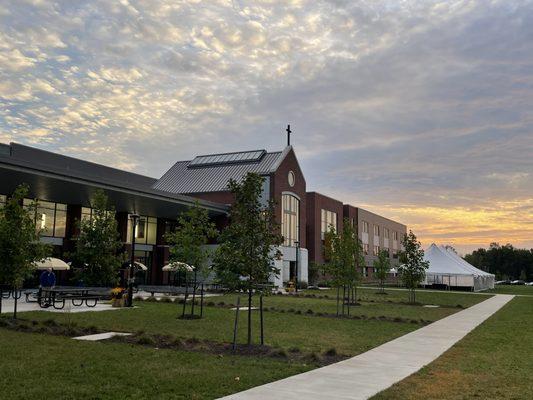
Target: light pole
x: 297, y: 244
x: 134, y: 218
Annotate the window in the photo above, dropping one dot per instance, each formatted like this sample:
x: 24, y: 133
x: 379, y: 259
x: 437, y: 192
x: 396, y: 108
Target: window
x: 328, y: 220
x: 386, y: 233
x: 3, y: 200
x: 145, y: 231
x: 365, y: 248
x: 290, y: 222
x: 365, y: 227
x: 376, y: 250
x: 50, y: 218
x: 394, y: 235
x: 376, y: 230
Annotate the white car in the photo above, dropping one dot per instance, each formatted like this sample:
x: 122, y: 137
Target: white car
x: 529, y: 283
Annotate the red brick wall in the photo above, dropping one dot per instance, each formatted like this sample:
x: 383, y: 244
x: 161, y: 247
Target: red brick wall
x: 315, y: 203
x: 279, y: 183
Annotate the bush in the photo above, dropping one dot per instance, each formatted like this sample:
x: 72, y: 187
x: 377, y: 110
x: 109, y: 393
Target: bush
x: 309, y: 311
x: 331, y: 352
x: 145, y: 340
x: 166, y: 299
x: 294, y: 350
x: 280, y: 353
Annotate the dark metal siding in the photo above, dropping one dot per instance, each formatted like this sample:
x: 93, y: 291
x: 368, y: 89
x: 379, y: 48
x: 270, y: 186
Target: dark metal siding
x: 180, y: 179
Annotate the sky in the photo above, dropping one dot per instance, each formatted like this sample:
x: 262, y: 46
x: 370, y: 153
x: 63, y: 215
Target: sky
x: 418, y: 110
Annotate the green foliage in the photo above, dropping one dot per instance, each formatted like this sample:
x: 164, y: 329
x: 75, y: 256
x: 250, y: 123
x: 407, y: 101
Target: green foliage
x: 245, y: 258
x: 506, y: 262
x: 412, y: 267
x: 188, y: 240
x: 313, y: 273
x: 382, y: 266
x: 98, y: 248
x: 344, y: 255
x: 20, y: 247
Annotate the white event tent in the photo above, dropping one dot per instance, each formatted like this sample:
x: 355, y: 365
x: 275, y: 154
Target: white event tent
x: 447, y: 268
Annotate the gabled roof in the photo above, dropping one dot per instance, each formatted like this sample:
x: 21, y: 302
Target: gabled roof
x: 446, y: 262
x: 211, y: 173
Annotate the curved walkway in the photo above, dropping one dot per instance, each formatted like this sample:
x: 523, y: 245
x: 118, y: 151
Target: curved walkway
x: 368, y: 373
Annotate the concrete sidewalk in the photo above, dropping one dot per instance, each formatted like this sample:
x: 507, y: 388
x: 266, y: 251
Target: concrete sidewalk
x: 367, y: 374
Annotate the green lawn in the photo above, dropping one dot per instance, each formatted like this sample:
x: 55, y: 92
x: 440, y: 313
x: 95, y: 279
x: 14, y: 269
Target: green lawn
x: 513, y: 289
x: 495, y: 361
x: 105, y: 369
x: 284, y: 330
x: 45, y: 367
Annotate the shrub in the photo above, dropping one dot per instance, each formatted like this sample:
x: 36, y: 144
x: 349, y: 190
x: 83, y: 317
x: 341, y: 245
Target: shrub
x: 309, y: 311
x: 280, y: 353
x: 166, y: 299
x: 331, y: 352
x: 145, y: 340
x: 50, y: 322
x: 294, y: 350
x: 210, y: 303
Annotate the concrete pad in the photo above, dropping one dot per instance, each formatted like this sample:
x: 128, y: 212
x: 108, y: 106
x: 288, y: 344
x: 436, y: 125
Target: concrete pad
x: 244, y: 308
x: 367, y: 374
x: 431, y: 306
x: 101, y: 336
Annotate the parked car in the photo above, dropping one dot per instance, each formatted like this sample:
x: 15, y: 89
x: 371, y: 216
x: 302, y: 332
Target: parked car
x: 518, y: 282
x: 507, y: 282
x: 529, y: 283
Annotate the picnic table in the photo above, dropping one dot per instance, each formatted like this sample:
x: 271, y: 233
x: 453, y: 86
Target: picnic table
x: 57, y: 296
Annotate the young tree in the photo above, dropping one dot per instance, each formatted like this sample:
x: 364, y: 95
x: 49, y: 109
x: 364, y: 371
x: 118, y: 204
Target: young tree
x: 412, y: 267
x: 249, y: 245
x: 382, y: 267
x: 98, y: 248
x: 20, y: 247
x: 188, y: 242
x: 345, y: 259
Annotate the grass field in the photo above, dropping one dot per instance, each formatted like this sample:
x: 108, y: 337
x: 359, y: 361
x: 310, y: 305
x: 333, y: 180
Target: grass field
x: 495, y: 361
x: 106, y: 369
x: 38, y: 366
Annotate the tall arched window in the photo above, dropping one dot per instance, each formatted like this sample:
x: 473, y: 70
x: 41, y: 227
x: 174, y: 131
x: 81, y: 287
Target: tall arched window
x: 290, y: 221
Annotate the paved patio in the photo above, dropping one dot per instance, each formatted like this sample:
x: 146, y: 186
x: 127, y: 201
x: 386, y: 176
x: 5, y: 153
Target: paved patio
x: 367, y: 374
x: 22, y: 306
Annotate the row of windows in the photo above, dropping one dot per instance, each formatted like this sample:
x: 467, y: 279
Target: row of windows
x: 50, y: 218
x: 145, y: 231
x: 328, y: 220
x: 290, y: 221
x: 386, y: 231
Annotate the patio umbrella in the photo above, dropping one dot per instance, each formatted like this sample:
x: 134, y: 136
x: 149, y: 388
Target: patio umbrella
x: 178, y: 266
x: 53, y: 263
x: 136, y: 265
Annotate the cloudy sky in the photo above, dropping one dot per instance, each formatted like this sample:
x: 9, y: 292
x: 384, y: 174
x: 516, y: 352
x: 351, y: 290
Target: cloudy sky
x: 419, y: 110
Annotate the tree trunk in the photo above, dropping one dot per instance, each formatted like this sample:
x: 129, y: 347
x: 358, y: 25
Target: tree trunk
x: 194, y: 287
x: 349, y: 299
x: 15, y: 298
x: 261, y: 315
x: 202, y: 301
x: 236, y: 323
x: 338, y: 294
x: 249, y: 316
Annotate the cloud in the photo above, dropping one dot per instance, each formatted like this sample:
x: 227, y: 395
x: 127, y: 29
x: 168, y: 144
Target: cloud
x: 410, y: 108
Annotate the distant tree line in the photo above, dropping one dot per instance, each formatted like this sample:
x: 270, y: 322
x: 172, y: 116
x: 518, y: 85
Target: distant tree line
x: 506, y: 262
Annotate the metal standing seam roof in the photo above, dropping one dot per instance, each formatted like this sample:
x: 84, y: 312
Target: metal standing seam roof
x: 214, y: 178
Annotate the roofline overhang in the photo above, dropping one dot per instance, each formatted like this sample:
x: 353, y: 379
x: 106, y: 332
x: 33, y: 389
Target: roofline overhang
x: 25, y: 167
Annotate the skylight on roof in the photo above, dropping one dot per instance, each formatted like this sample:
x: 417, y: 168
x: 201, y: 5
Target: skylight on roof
x: 227, y: 158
